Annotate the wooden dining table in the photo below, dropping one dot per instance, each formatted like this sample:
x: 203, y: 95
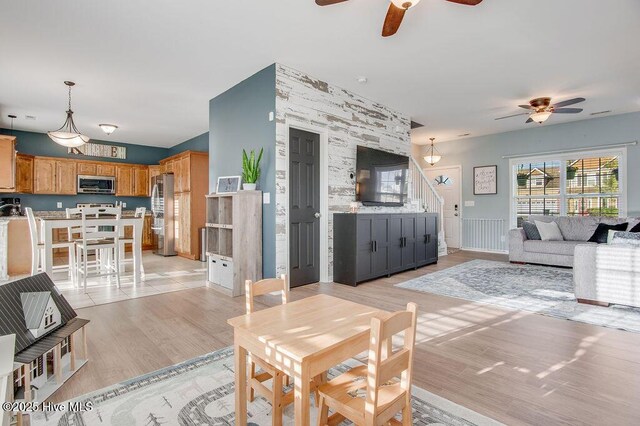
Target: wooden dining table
x: 49, y: 224
x: 303, y: 339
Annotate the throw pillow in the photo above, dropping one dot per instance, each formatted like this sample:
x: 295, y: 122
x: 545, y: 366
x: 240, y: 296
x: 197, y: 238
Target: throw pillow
x: 549, y: 231
x: 635, y: 228
x: 602, y: 232
x: 531, y: 230
x: 626, y: 238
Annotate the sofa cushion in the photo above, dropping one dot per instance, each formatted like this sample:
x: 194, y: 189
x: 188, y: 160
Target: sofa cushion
x: 635, y: 228
x: 549, y: 231
x: 573, y: 228
x: 564, y: 248
x: 531, y: 230
x: 602, y: 232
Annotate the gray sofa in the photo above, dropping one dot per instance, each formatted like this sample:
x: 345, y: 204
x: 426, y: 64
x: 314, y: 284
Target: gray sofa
x: 575, y: 230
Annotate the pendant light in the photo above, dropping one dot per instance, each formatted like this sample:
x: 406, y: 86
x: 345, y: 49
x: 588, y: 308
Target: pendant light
x: 434, y: 156
x: 68, y: 135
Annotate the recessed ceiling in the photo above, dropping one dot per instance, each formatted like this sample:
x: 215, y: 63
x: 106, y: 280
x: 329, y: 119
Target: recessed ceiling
x: 151, y: 67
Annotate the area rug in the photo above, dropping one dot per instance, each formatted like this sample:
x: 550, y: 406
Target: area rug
x: 541, y: 289
x: 201, y: 392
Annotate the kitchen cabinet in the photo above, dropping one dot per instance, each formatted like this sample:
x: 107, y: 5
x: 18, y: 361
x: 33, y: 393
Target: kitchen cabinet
x: 7, y: 163
x: 24, y: 173
x: 153, y: 172
x: 105, y: 169
x: 368, y: 246
x: 124, y: 181
x: 147, y: 233
x: 182, y: 231
x: 54, y: 176
x: 140, y: 181
x: 89, y: 169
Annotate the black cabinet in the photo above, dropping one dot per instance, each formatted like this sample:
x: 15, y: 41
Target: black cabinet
x: 367, y: 246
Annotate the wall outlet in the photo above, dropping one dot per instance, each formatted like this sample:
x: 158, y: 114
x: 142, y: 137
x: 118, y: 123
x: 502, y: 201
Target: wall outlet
x: 266, y: 198
x: 59, y: 204
x: 124, y: 205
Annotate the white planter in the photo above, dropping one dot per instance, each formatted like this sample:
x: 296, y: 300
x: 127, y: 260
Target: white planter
x: 249, y: 186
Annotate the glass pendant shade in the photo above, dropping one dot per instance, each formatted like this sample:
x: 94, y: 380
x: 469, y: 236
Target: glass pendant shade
x: 68, y: 135
x: 433, y: 155
x: 405, y: 4
x: 540, y: 117
x: 108, y: 128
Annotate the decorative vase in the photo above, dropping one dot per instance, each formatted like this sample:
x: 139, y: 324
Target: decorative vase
x: 249, y: 186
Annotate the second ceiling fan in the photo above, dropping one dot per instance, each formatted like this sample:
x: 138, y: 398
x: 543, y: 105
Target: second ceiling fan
x: 396, y: 12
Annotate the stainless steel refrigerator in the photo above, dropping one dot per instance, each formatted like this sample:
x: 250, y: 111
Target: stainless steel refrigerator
x: 163, y: 215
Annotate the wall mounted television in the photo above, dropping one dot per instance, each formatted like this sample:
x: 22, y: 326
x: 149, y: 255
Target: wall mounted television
x: 381, y: 178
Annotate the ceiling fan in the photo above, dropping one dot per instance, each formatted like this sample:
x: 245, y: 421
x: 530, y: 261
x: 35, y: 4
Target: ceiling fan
x: 396, y: 12
x: 540, y: 109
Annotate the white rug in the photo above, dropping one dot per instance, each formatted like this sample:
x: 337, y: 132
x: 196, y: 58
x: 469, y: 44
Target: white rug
x: 541, y: 289
x: 201, y: 392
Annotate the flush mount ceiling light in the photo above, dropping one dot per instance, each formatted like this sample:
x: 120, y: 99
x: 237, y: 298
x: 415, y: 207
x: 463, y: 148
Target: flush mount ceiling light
x: 434, y: 156
x: 108, y: 128
x: 68, y: 135
x: 540, y: 117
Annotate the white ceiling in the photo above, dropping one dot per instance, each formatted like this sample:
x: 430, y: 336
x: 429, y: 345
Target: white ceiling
x: 151, y: 67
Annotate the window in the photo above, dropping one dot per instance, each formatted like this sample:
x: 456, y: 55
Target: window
x: 582, y: 184
x: 65, y: 347
x: 48, y: 317
x: 36, y: 368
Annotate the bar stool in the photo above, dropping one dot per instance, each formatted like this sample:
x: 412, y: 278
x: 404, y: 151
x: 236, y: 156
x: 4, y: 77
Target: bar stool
x: 139, y: 214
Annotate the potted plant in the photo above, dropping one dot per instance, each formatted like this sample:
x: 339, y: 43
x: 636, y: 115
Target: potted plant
x: 522, y: 177
x: 614, y: 172
x: 250, y: 169
x: 571, y: 172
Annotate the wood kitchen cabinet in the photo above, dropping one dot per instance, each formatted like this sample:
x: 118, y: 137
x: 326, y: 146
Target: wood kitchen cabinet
x: 7, y: 163
x: 105, y: 169
x: 90, y: 169
x: 54, y: 176
x: 24, y: 173
x: 124, y: 181
x: 140, y: 181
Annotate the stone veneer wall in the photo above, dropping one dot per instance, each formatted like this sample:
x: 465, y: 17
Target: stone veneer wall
x: 350, y: 120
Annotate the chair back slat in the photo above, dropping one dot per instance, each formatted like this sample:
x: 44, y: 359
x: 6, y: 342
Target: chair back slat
x: 266, y: 286
x: 91, y: 232
x: 33, y: 229
x: 140, y: 212
x: 385, y: 365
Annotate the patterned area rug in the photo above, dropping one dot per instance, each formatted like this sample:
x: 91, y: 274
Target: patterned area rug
x: 541, y: 289
x: 201, y: 392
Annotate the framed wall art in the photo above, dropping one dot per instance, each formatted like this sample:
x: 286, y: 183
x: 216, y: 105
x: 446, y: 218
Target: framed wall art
x: 485, y: 180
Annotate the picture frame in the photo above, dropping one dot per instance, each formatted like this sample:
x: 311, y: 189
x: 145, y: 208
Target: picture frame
x: 228, y: 184
x: 485, y: 180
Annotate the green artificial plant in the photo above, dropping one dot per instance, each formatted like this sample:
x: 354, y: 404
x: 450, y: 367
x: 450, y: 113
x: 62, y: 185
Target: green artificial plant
x: 251, y: 166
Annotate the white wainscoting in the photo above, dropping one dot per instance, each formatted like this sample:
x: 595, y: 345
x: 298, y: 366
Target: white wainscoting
x: 488, y: 235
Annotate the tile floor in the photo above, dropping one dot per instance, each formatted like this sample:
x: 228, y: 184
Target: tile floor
x: 162, y: 275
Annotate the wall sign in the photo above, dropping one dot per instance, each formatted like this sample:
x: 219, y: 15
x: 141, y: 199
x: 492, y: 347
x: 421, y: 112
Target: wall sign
x: 228, y: 184
x: 485, y: 180
x: 100, y: 150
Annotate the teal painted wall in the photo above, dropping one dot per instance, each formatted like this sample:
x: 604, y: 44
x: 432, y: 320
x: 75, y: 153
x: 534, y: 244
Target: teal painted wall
x: 39, y: 144
x: 199, y: 143
x: 238, y: 118
x: 488, y: 150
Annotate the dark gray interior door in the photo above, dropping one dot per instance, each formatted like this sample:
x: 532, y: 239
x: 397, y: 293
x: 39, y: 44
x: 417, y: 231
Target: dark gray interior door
x: 304, y: 207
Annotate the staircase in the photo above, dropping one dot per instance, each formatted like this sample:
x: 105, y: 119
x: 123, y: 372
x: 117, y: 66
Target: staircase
x: 424, y: 194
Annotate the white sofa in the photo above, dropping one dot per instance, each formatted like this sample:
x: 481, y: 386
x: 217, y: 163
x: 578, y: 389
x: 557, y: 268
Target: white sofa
x: 605, y: 274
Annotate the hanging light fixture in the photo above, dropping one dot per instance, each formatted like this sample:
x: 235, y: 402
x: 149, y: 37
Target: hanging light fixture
x: 540, y: 116
x: 12, y: 117
x: 108, y: 128
x: 434, y: 156
x: 68, y: 135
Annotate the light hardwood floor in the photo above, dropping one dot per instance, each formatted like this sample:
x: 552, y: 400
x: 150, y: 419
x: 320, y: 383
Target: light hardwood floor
x: 516, y: 367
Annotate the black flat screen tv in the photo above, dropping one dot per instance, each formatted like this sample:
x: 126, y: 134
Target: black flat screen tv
x: 381, y: 178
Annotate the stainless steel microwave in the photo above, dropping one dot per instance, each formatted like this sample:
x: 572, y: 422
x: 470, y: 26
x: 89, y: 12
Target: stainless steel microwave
x: 96, y: 184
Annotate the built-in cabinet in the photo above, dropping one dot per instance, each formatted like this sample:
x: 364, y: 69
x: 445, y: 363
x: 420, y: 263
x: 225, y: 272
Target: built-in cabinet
x: 24, y: 173
x: 7, y: 163
x: 132, y: 180
x: 234, y: 240
x: 190, y: 185
x: 368, y: 246
x: 54, y: 176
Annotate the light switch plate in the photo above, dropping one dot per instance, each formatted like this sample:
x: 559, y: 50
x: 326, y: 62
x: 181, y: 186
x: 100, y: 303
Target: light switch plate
x: 59, y: 204
x: 266, y: 198
x: 271, y: 116
x: 124, y: 205
x: 469, y: 203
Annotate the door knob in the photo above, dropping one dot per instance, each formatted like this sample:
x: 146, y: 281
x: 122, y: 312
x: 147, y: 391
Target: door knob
x: 317, y: 215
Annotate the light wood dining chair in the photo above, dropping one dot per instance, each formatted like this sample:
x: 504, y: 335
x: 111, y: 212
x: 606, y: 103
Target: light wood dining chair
x: 37, y: 248
x: 371, y: 395
x: 276, y: 395
x: 104, y: 239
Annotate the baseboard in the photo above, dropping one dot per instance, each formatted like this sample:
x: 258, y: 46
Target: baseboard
x: 485, y: 250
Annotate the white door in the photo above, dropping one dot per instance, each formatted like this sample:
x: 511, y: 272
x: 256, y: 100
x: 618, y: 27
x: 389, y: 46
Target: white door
x: 448, y: 183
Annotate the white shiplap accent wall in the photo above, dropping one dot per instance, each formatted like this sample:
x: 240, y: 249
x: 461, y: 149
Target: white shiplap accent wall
x: 347, y: 120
